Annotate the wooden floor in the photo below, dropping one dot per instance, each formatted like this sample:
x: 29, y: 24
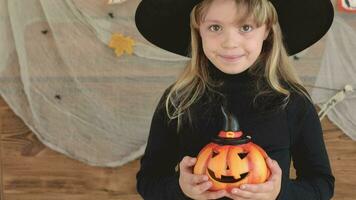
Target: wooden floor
x: 31, y: 171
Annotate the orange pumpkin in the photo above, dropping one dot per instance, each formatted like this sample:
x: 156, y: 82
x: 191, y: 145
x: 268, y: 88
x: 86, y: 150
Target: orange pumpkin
x: 232, y: 159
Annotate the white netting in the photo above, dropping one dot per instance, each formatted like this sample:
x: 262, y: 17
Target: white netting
x: 59, y: 75
x: 338, y: 68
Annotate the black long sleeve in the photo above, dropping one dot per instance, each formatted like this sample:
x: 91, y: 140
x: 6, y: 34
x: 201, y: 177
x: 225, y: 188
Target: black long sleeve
x: 291, y: 133
x: 157, y: 178
x: 314, y: 177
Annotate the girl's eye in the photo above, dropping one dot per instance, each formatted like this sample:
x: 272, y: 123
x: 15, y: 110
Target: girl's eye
x: 246, y: 28
x: 215, y: 28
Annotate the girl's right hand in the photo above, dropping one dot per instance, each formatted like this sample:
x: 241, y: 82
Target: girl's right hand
x: 196, y: 186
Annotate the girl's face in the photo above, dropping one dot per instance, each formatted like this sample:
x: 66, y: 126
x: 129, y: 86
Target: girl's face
x: 231, y: 42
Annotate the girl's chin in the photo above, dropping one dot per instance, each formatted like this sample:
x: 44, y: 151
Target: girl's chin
x: 232, y: 69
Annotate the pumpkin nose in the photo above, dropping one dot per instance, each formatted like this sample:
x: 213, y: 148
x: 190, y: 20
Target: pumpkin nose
x: 227, y: 167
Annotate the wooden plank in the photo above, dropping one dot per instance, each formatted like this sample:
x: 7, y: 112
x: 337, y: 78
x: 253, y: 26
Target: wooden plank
x: 1, y: 173
x: 3, y: 106
x: 342, y: 154
x: 33, y: 171
x: 60, y: 196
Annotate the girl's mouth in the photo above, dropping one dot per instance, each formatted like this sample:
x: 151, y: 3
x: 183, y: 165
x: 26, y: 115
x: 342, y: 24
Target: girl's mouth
x: 231, y: 58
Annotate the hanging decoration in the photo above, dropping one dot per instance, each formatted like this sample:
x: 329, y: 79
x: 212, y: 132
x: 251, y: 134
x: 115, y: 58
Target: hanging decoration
x: 348, y: 6
x: 121, y: 44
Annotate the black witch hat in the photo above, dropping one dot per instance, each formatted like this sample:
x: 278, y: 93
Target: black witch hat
x: 231, y: 133
x: 166, y: 24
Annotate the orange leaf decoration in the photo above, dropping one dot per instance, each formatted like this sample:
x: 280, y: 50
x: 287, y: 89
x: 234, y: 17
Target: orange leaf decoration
x: 121, y: 44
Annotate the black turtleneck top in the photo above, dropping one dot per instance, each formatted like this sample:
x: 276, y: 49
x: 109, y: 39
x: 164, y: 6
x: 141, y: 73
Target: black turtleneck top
x: 286, y: 133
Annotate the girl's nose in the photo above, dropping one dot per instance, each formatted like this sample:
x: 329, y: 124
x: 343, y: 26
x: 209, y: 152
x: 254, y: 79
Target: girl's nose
x: 231, y: 39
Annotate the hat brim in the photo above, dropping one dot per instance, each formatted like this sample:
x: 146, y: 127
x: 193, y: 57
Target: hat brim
x: 303, y: 23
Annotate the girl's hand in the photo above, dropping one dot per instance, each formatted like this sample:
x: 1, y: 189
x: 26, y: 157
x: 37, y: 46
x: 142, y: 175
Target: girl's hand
x: 264, y: 191
x: 196, y: 186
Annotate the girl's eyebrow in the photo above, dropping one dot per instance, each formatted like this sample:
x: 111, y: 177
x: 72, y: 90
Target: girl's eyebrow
x: 212, y: 20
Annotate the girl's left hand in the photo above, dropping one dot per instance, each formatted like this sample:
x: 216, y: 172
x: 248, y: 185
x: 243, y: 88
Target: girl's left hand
x: 268, y: 190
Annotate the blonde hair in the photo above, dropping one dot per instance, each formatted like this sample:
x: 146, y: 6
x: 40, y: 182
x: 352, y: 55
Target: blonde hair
x: 195, y: 80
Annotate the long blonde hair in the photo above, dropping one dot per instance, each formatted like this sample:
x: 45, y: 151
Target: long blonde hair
x: 194, y: 80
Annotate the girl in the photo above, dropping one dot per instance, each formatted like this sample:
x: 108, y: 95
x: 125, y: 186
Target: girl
x: 238, y: 59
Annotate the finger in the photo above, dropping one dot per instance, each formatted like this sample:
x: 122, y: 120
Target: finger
x: 276, y: 171
x: 186, y: 164
x: 258, y: 188
x: 215, y: 194
x: 236, y: 192
x: 196, y: 179
x: 200, y: 188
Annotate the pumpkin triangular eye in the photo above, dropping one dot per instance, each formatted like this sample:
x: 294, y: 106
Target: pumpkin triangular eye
x: 242, y: 155
x: 215, y: 153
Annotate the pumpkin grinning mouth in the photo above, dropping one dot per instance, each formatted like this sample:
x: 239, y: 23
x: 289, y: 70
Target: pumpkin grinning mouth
x: 227, y: 179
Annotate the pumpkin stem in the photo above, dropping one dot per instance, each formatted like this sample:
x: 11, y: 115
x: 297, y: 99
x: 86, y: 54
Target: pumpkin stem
x: 230, y: 121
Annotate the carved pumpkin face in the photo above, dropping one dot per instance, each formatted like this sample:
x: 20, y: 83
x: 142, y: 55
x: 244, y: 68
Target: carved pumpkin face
x: 230, y: 166
x: 232, y: 159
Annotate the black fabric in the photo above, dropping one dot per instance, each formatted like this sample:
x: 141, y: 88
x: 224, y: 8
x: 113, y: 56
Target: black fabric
x: 293, y: 133
x: 165, y: 23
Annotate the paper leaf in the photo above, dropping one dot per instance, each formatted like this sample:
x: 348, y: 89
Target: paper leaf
x: 121, y: 44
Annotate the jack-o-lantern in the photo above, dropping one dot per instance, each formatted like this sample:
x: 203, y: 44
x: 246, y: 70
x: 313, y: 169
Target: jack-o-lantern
x: 232, y: 159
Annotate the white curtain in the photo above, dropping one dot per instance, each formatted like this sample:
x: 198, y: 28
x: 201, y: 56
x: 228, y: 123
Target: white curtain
x: 59, y: 75
x: 338, y: 68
